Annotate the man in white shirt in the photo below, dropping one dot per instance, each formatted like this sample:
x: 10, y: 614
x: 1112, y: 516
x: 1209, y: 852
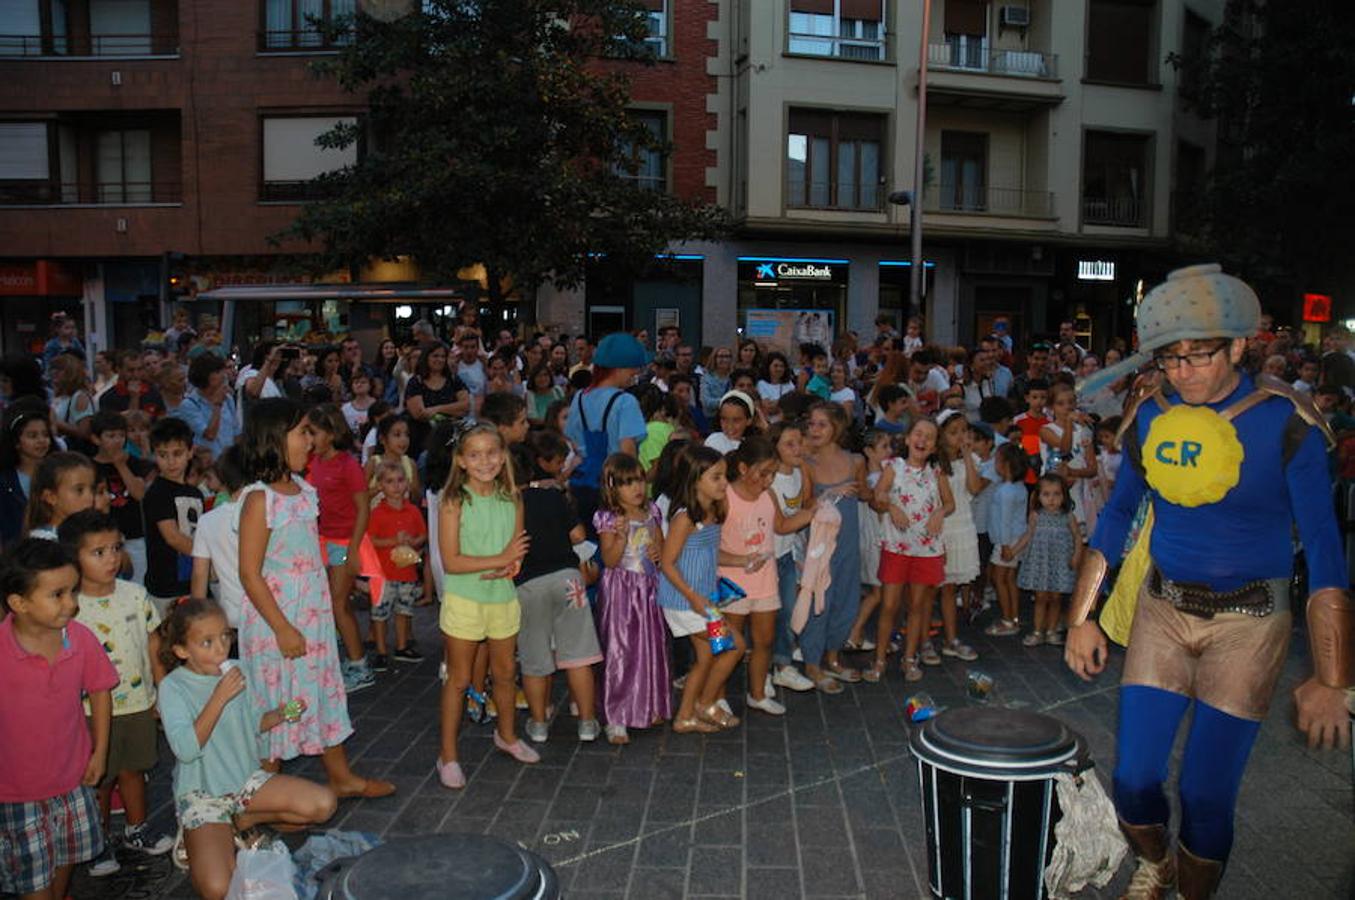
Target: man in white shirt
x: 256, y: 380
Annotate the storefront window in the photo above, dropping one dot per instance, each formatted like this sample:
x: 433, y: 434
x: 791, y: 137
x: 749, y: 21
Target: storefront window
x: 896, y: 289
x: 773, y: 291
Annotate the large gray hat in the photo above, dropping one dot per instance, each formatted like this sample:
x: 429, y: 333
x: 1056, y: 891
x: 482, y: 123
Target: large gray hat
x: 1195, y: 303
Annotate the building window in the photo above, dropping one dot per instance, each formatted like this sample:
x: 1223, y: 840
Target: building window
x: 1194, y: 54
x: 292, y: 159
x: 25, y: 166
x: 298, y: 24
x: 1115, y: 179
x: 1120, y: 41
x: 964, y: 167
x: 656, y: 18
x: 849, y: 29
x: 966, y: 31
x: 123, y: 166
x: 87, y: 28
x: 833, y: 160
x: 651, y: 171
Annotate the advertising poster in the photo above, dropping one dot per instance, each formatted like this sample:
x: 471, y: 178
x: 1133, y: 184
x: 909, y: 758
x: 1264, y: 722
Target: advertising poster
x: 787, y: 329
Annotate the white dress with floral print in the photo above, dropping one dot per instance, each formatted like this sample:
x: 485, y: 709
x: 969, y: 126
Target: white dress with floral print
x: 915, y: 490
x: 295, y: 573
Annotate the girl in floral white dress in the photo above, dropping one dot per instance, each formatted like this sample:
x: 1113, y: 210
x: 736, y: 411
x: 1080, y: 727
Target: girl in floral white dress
x: 960, y: 535
x: 916, y: 498
x: 287, y: 641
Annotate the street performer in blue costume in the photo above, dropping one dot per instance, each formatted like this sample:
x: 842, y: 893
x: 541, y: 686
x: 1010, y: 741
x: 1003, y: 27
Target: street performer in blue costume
x: 1231, y: 465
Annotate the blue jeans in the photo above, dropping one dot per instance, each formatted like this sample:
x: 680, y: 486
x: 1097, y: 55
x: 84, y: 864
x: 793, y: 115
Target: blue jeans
x: 787, y: 584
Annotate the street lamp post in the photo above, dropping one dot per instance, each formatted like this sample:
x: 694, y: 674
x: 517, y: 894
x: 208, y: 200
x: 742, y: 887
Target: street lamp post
x: 915, y: 273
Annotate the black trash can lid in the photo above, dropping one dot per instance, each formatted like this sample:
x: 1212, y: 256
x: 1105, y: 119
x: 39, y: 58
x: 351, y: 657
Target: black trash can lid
x: 464, y: 866
x: 993, y: 738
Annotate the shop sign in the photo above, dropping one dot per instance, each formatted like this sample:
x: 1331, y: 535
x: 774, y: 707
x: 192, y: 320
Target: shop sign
x: 770, y: 270
x: 1095, y: 270
x: 1316, y: 308
x: 43, y: 278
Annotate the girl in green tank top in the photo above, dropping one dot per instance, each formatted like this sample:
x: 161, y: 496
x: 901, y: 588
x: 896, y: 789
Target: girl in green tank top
x: 482, y: 543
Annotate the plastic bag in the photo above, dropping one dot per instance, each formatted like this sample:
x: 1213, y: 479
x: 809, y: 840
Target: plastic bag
x: 263, y: 875
x: 320, y: 851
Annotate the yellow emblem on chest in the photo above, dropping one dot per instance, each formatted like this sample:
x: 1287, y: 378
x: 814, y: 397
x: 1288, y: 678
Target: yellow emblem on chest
x: 1192, y: 456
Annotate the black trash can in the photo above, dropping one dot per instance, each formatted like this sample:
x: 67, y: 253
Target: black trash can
x: 988, y: 799
x: 464, y: 866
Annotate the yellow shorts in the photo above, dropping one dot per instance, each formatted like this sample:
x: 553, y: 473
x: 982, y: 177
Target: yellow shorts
x: 471, y: 621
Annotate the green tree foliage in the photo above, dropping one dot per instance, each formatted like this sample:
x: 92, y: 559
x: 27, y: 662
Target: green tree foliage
x: 497, y: 133
x: 1280, y: 204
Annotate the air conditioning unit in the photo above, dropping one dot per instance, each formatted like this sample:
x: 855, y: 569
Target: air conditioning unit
x: 1015, y: 16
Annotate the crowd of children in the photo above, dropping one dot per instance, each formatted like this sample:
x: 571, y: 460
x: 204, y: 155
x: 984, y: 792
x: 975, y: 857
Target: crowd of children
x: 790, y: 532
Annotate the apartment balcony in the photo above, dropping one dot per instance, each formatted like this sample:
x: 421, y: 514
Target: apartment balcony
x: 90, y: 193
x: 975, y: 75
x: 1117, y: 212
x: 990, y: 201
x: 93, y: 28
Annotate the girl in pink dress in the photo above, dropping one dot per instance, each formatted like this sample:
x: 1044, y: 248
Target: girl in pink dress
x: 287, y: 641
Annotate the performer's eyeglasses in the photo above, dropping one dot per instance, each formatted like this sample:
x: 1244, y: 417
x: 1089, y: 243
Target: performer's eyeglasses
x: 1170, y: 362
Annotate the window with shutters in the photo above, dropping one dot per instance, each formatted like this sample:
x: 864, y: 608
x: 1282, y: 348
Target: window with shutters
x: 834, y: 160
x: 25, y: 162
x: 300, y: 25
x: 1121, y: 42
x: 292, y: 159
x: 847, y: 29
x: 1115, y: 179
x: 966, y: 32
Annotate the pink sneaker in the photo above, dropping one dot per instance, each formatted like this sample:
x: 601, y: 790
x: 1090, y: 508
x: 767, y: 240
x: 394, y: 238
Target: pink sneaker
x: 518, y: 750
x: 450, y: 775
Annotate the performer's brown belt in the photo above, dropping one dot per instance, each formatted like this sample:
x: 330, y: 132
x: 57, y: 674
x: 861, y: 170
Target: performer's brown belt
x: 1255, y: 598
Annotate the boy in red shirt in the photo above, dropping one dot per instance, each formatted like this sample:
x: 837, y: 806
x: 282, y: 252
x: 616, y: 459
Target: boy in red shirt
x: 49, y: 814
x: 1030, y: 422
x: 395, y: 523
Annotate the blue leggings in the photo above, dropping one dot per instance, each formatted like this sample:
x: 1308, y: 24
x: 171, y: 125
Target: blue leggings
x: 787, y: 586
x: 1217, y: 748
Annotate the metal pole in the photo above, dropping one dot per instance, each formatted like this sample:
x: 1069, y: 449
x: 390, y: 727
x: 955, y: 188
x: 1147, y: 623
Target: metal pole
x: 919, y: 151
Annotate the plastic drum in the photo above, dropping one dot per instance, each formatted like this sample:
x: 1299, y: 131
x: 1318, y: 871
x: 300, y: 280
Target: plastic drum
x: 988, y: 799
x: 464, y: 866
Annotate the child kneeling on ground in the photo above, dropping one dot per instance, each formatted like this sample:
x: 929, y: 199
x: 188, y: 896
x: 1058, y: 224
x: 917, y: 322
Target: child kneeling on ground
x: 219, y: 788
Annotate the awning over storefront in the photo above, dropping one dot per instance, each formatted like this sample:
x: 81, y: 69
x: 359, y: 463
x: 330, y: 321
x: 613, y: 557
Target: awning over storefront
x: 360, y: 293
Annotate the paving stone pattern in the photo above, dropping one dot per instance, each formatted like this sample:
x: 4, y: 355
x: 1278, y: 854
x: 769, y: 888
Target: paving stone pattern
x: 820, y: 803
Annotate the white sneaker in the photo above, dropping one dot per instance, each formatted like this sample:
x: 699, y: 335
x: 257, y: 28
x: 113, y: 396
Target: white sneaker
x: 537, y: 731
x: 791, y: 679
x: 617, y: 734
x: 767, y: 689
x: 766, y: 704
x: 589, y: 730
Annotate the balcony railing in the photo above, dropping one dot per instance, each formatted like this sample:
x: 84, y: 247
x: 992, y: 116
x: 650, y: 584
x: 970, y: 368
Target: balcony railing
x: 835, y: 196
x: 301, y: 40
x: 870, y: 50
x: 154, y: 44
x: 1120, y: 212
x: 121, y: 193
x: 989, y: 200
x: 294, y: 191
x: 980, y: 59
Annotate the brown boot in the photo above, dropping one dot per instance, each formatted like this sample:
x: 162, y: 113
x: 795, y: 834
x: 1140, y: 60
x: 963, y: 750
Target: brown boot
x: 1198, y: 876
x: 1155, y: 877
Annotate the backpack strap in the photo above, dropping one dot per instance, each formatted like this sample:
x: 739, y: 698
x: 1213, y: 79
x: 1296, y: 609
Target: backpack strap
x: 1304, y: 406
x: 607, y: 410
x: 1145, y: 387
x: 583, y: 417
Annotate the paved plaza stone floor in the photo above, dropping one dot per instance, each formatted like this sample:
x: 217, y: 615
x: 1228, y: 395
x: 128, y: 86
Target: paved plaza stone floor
x: 820, y: 803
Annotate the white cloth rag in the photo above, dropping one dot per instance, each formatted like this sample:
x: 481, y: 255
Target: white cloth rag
x: 1088, y: 845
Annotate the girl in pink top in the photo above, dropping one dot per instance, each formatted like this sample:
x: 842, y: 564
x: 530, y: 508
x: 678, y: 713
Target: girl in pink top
x: 750, y: 527
x: 341, y: 487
